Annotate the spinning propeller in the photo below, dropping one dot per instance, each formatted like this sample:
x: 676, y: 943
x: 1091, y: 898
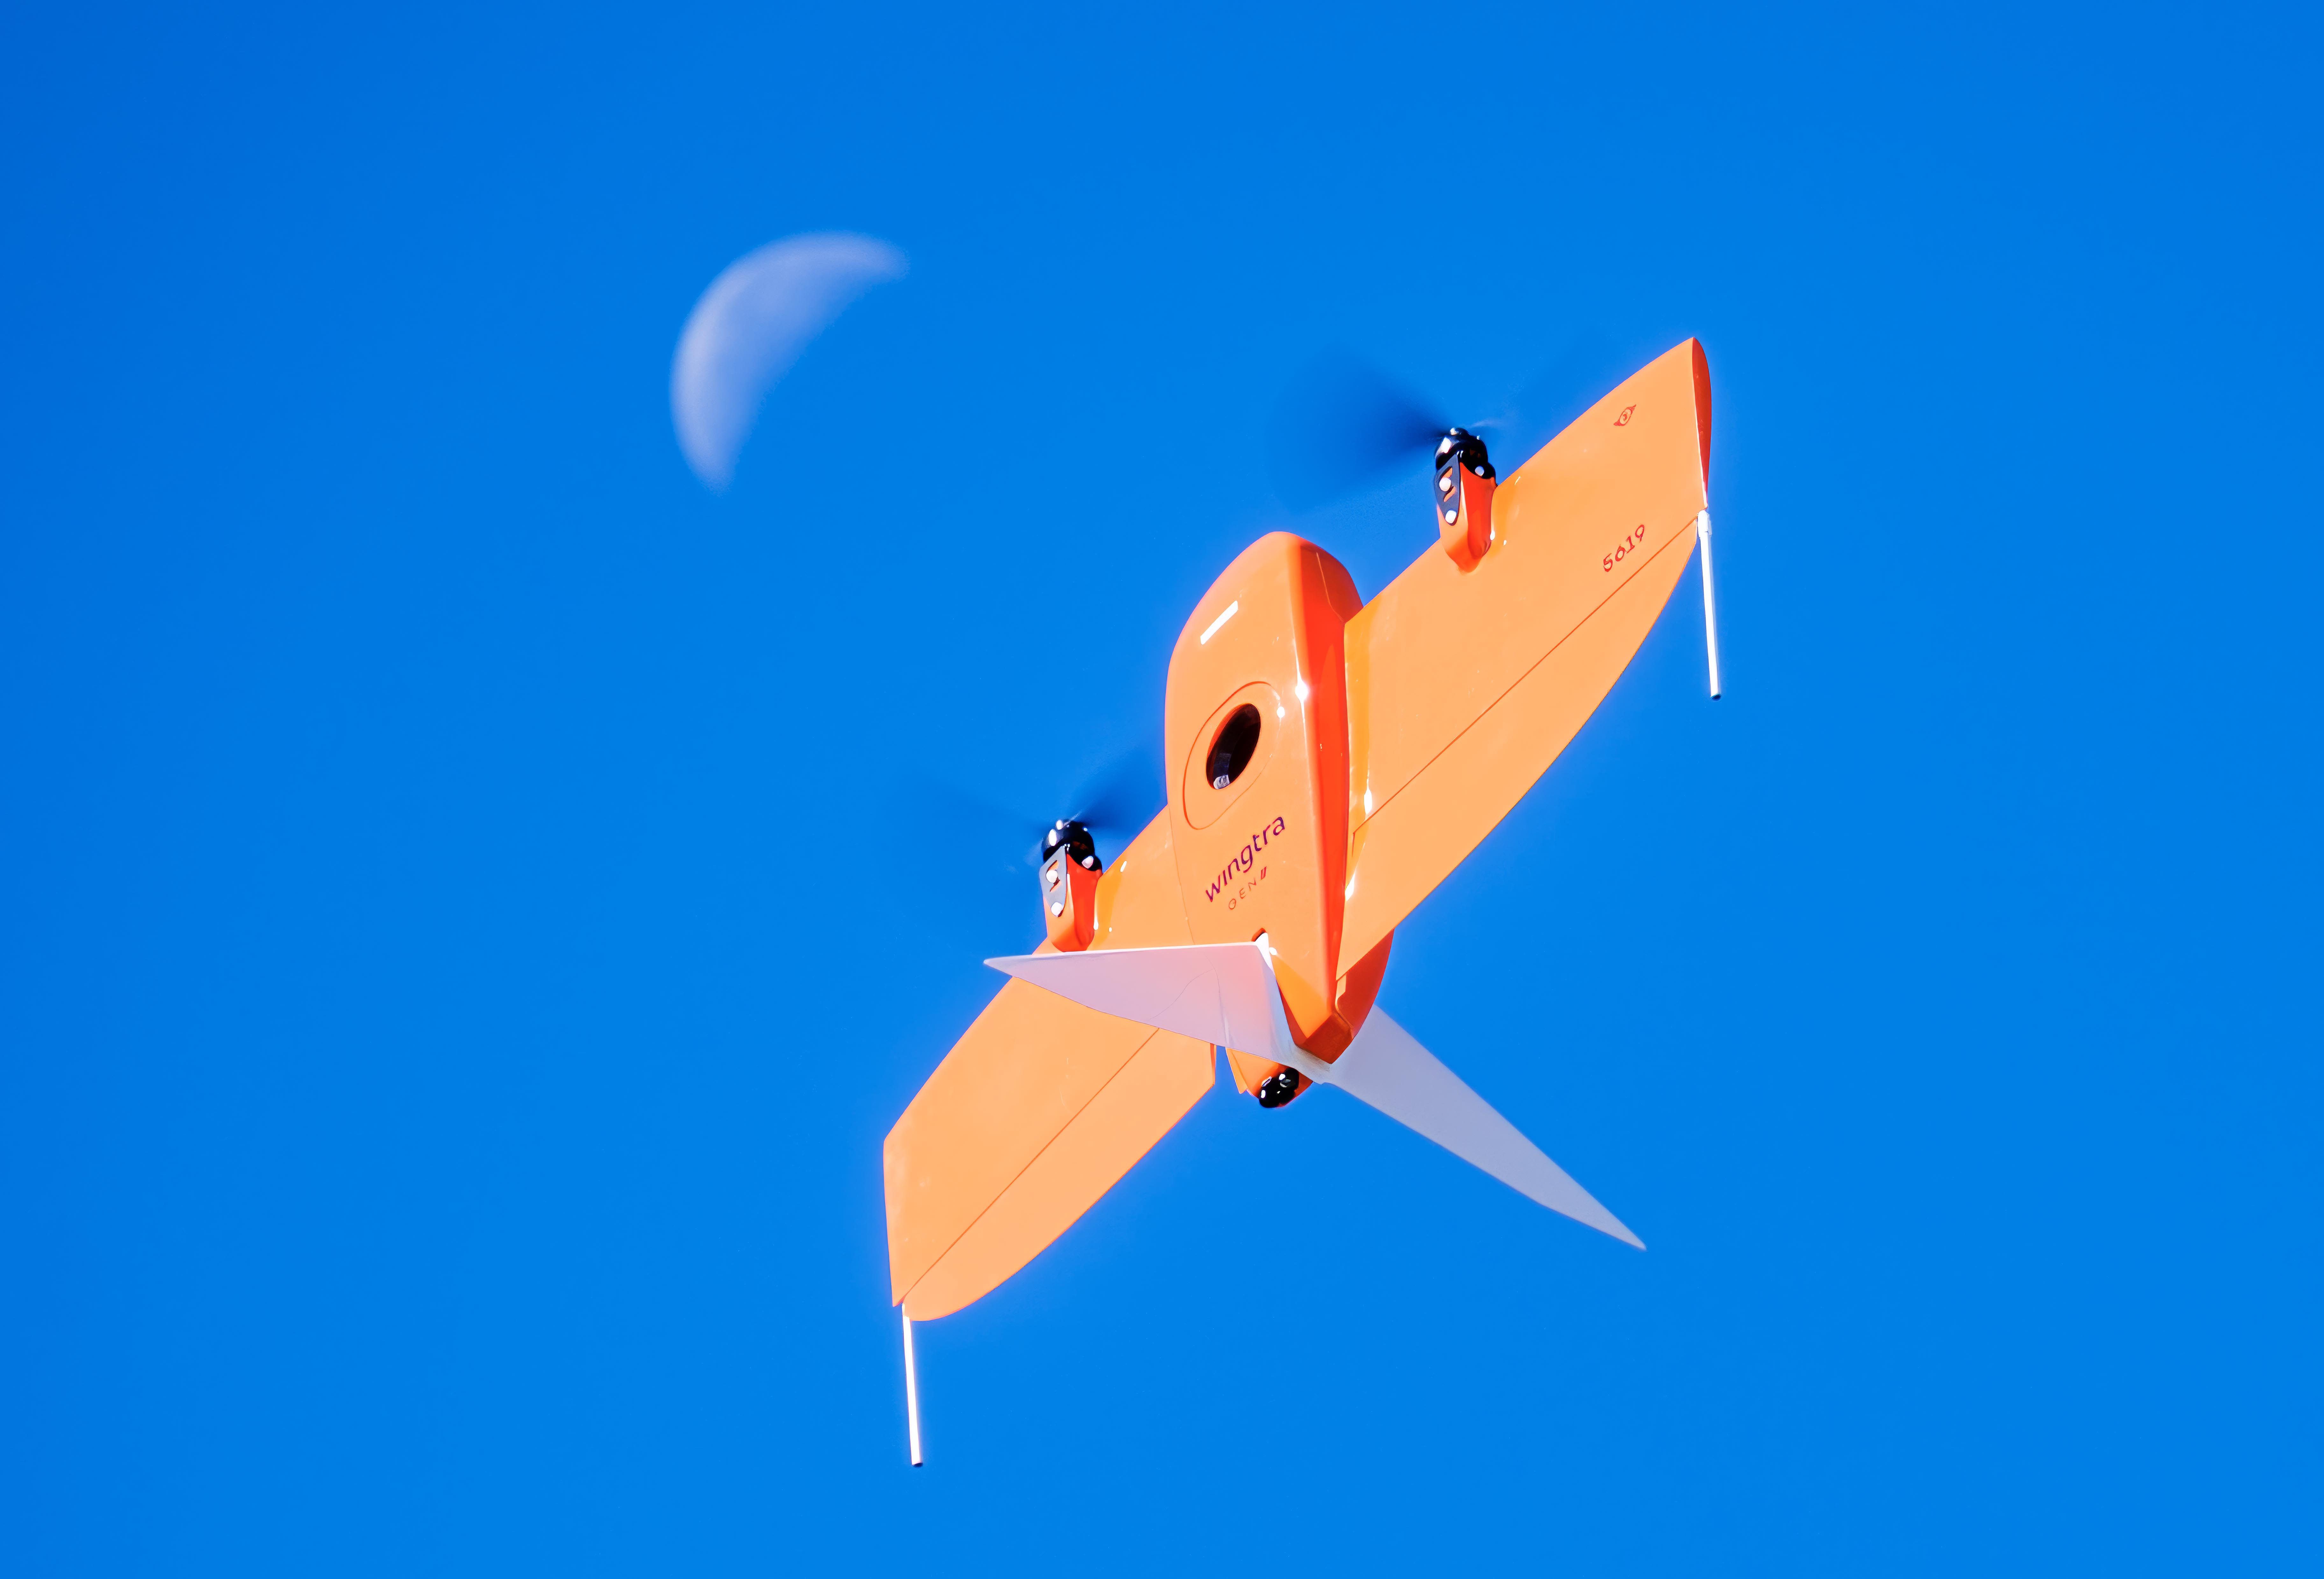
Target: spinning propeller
x: 1113, y: 803
x: 1116, y: 802
x: 1342, y: 425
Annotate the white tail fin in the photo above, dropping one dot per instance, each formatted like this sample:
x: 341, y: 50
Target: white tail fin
x: 1219, y: 992
x: 1225, y: 993
x: 1389, y: 1070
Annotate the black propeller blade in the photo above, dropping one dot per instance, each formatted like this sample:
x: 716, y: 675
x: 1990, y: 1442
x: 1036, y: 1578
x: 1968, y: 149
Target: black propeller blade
x: 1115, y: 803
x: 1342, y: 425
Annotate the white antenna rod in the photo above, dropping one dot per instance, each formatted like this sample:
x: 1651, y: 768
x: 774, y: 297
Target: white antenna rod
x: 911, y: 1392
x: 1710, y: 606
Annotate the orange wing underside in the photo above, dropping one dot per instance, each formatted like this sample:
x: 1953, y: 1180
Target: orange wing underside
x: 1104, y: 1089
x: 1037, y: 1111
x: 1463, y: 689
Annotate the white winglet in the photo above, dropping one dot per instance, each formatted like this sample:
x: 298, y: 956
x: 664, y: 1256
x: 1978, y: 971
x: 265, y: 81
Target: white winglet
x: 1219, y: 992
x: 1225, y: 993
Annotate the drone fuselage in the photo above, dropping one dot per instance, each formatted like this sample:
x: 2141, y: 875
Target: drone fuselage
x: 1255, y: 761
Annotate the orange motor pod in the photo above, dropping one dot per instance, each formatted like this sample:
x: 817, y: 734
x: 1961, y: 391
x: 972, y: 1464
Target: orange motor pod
x: 1256, y: 748
x: 1464, y: 514
x: 1068, y: 901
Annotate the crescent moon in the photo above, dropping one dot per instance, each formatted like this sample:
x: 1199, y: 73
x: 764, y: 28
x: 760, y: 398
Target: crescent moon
x: 751, y: 324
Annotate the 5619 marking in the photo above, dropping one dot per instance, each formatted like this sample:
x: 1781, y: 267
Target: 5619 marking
x: 1637, y: 540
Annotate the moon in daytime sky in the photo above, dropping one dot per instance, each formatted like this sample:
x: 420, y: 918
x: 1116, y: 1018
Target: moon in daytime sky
x: 751, y: 324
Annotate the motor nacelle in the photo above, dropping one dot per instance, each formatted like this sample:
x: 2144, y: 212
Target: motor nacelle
x: 1069, y: 873
x: 1464, y: 497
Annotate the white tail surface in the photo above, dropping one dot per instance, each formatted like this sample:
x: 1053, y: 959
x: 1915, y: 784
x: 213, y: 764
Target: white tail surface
x: 1225, y: 993
x: 1387, y: 1070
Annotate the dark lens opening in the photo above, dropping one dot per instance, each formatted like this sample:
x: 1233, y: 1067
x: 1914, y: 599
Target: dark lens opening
x: 1231, y: 751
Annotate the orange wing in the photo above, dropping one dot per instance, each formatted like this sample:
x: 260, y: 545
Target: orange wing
x: 1463, y: 689
x: 1037, y: 1111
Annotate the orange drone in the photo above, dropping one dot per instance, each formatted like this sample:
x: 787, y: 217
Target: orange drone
x: 1328, y: 763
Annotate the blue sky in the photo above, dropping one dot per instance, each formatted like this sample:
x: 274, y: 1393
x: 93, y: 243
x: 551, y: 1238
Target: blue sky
x: 468, y: 921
